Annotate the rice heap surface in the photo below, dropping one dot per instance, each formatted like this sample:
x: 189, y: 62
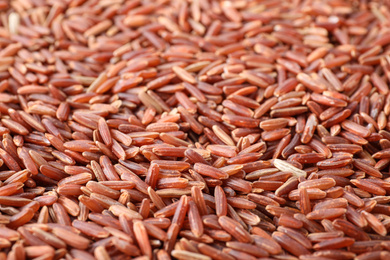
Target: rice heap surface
x: 194, y: 129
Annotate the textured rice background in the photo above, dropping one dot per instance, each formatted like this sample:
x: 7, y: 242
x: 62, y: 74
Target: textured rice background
x: 194, y: 129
